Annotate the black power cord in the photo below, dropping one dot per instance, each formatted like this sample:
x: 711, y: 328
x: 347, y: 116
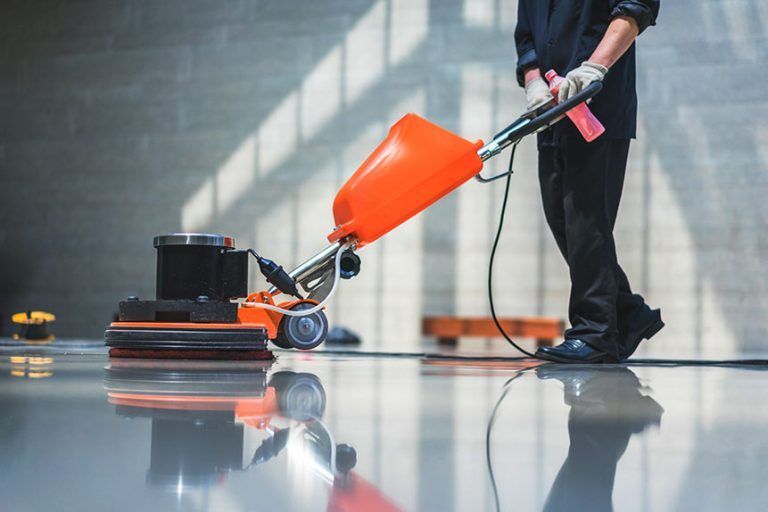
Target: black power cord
x: 492, y: 258
x: 489, y: 428
x: 757, y: 362
x: 276, y: 276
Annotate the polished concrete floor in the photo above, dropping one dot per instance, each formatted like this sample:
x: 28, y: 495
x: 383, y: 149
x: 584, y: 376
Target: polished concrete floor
x: 355, y: 432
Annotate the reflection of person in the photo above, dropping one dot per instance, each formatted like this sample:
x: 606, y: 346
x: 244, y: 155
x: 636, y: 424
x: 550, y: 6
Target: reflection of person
x: 606, y: 409
x: 581, y: 183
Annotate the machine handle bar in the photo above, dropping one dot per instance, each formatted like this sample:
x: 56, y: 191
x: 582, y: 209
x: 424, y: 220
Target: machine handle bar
x: 532, y: 123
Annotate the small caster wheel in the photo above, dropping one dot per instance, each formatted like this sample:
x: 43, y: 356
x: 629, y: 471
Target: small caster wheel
x: 281, y: 341
x: 302, y: 332
x: 300, y: 396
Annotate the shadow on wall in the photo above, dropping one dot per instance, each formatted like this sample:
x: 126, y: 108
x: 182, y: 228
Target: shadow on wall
x: 705, y: 126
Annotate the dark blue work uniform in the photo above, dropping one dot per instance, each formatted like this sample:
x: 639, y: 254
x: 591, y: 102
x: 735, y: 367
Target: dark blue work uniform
x: 581, y: 183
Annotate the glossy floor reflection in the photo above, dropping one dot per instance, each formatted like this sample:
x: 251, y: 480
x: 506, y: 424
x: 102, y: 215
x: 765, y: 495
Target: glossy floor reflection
x: 326, y: 432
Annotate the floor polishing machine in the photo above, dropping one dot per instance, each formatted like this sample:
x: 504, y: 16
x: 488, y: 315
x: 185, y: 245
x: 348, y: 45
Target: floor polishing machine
x: 201, y: 279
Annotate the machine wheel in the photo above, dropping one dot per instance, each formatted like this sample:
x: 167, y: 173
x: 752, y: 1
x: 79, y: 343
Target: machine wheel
x: 300, y: 396
x: 302, y: 332
x: 281, y: 341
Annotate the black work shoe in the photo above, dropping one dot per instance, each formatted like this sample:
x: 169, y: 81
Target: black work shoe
x: 654, y: 327
x: 574, y: 351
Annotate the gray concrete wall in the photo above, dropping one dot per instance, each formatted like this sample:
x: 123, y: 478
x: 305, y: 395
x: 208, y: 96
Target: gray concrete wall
x: 120, y: 120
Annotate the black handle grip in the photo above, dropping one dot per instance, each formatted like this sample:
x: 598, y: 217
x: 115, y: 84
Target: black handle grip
x: 524, y: 127
x: 562, y: 108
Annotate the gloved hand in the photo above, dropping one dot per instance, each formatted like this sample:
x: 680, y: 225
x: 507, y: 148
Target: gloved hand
x: 578, y: 79
x: 537, y: 92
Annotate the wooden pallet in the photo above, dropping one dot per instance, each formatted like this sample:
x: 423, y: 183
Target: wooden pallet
x: 447, y: 329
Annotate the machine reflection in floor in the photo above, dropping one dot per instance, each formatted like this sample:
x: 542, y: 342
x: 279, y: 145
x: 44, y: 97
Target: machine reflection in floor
x: 201, y: 417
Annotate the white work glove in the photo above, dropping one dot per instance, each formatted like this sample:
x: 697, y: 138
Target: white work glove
x: 537, y: 92
x: 578, y: 79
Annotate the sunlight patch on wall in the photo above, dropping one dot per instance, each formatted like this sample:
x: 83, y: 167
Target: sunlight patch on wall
x: 672, y: 264
x: 416, y: 103
x: 761, y: 142
x: 315, y: 217
x: 718, y: 340
x: 474, y: 203
x: 741, y: 28
x: 409, y: 26
x: 220, y: 192
x: 236, y: 173
x: 364, y: 48
x: 321, y: 94
x: 507, y: 14
x: 278, y: 134
x: 367, y: 138
x: 279, y: 241
x: 199, y: 209
x: 479, y: 13
x: 490, y: 14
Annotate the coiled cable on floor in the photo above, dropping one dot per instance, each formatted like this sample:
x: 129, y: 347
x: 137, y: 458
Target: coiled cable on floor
x: 493, y: 256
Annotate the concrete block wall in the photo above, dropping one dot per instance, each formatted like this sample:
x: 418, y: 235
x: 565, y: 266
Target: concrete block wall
x: 120, y: 120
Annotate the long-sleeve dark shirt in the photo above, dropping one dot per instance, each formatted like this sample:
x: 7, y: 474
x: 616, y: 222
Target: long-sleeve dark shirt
x: 561, y: 34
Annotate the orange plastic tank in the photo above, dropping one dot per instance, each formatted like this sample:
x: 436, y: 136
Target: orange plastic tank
x: 416, y: 164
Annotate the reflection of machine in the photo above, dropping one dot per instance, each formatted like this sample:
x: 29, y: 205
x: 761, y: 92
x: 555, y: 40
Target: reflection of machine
x: 205, y: 417
x: 31, y: 367
x: 417, y: 164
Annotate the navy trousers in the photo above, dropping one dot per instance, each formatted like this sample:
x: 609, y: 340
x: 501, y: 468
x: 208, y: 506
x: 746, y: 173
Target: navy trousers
x: 581, y: 185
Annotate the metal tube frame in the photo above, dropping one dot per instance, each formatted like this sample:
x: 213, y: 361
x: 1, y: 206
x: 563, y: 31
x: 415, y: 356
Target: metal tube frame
x: 313, y: 264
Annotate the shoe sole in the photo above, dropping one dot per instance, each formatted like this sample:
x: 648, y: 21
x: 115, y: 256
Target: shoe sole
x: 605, y: 358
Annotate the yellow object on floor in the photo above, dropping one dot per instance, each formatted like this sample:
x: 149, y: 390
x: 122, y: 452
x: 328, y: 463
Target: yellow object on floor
x: 34, y: 326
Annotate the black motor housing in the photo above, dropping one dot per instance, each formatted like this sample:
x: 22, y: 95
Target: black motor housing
x: 197, y: 276
x: 194, y: 265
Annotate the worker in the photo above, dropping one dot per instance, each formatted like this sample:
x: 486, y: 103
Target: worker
x: 588, y: 41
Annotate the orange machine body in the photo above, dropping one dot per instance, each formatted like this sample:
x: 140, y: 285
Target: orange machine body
x: 417, y: 164
x: 247, y: 318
